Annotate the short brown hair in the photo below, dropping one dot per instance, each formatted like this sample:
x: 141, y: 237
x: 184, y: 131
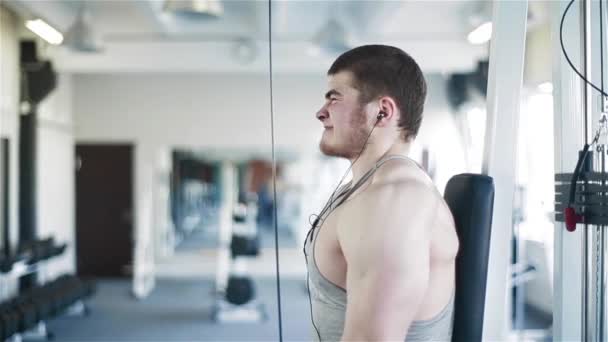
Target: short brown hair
x: 381, y: 70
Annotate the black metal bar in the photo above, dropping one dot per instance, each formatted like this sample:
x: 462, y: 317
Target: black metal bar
x: 27, y: 186
x: 27, y: 177
x: 588, y: 209
x: 583, y: 199
x: 581, y: 188
x: 6, y: 205
x: 589, y: 176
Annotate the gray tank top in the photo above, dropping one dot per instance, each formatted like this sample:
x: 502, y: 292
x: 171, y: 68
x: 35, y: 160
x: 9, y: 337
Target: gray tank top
x: 328, y: 300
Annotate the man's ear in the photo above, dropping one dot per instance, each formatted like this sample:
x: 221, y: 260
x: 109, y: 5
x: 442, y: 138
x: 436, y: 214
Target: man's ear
x: 387, y: 106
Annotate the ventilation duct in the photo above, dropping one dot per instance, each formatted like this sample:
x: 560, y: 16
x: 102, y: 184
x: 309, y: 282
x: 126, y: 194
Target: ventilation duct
x: 195, y: 8
x: 332, y: 38
x: 81, y: 36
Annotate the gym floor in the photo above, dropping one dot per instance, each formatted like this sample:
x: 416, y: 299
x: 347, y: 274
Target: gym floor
x: 180, y: 307
x: 180, y: 310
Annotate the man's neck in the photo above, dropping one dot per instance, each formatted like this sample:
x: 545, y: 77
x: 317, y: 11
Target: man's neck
x: 373, y: 153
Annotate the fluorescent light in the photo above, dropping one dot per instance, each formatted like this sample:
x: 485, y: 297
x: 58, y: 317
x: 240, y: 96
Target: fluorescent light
x: 45, y: 31
x: 481, y: 34
x: 546, y: 87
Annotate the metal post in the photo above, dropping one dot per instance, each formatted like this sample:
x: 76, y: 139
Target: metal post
x: 570, y: 129
x: 503, y: 104
x: 586, y: 134
x: 600, y: 281
x: 587, y: 262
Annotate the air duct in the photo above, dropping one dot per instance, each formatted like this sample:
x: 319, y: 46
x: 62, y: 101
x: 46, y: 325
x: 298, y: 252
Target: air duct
x: 195, y: 8
x: 81, y: 36
x: 332, y: 38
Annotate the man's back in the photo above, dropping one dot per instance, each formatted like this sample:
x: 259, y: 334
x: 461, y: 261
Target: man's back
x: 349, y: 235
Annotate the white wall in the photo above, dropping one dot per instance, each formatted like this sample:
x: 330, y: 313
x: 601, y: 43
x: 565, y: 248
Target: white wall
x: 157, y: 111
x: 440, y: 134
x: 9, y: 103
x: 55, y: 174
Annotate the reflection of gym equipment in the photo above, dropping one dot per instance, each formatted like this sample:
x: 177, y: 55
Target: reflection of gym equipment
x: 195, y: 197
x: 238, y: 302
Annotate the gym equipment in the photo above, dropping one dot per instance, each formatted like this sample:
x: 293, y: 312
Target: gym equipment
x: 240, y: 290
x: 237, y: 302
x: 580, y: 194
x: 470, y: 198
x: 24, y: 315
x: 244, y: 246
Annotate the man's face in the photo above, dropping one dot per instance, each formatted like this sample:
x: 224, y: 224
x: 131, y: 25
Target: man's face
x: 343, y: 117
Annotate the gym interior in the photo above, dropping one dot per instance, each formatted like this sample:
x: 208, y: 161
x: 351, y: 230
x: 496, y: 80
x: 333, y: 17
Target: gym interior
x: 198, y: 118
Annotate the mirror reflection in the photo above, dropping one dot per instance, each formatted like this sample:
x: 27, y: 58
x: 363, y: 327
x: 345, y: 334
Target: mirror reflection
x: 140, y: 187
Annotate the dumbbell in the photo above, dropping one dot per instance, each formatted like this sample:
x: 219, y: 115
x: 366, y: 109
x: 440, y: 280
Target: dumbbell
x: 58, y: 250
x: 240, y: 290
x: 27, y: 313
x: 10, y: 320
x: 44, y: 248
x: 241, y: 245
x: 43, y: 302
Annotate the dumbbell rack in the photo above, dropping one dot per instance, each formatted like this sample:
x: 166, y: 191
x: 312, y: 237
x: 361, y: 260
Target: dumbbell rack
x: 22, y: 268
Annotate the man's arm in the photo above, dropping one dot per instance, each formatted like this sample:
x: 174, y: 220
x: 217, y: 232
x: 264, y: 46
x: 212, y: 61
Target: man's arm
x: 387, y: 257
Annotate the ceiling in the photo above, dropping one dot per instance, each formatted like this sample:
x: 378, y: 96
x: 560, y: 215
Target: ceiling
x: 139, y: 36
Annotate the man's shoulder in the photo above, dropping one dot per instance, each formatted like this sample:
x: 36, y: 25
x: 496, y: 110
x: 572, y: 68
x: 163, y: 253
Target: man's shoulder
x: 407, y: 188
x: 403, y: 210
x: 408, y: 200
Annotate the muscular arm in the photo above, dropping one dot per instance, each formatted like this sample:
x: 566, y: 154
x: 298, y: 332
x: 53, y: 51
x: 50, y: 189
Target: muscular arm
x: 387, y: 254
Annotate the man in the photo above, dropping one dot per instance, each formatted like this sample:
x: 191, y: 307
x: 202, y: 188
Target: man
x: 381, y: 255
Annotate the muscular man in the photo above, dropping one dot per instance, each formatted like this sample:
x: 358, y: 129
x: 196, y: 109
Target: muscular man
x: 381, y: 256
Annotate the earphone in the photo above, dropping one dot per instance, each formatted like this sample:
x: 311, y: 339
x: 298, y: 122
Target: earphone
x: 380, y: 115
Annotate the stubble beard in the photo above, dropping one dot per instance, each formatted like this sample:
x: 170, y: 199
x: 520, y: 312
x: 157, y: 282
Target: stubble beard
x: 352, y: 145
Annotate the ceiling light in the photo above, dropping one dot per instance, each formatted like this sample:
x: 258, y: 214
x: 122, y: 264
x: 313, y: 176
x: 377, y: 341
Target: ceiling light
x: 81, y: 35
x: 198, y: 8
x: 44, y: 31
x: 481, y: 34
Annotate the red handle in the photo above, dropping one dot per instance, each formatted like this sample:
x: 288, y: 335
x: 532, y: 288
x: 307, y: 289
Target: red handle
x: 571, y: 219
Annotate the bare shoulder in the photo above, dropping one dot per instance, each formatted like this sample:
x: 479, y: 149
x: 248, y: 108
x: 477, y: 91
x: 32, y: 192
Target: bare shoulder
x: 387, y: 205
x: 410, y: 184
x: 397, y: 183
x: 402, y: 202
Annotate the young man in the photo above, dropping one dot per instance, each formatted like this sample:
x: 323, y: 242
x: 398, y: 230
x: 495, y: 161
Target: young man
x: 381, y: 256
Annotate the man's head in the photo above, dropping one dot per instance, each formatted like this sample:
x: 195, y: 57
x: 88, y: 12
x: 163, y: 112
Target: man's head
x: 363, y: 82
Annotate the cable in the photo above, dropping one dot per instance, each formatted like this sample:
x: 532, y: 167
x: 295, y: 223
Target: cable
x: 274, y: 174
x: 331, y: 198
x: 319, y: 221
x: 561, y: 41
x: 602, y: 47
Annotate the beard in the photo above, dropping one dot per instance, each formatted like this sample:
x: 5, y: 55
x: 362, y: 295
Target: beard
x: 352, y: 143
